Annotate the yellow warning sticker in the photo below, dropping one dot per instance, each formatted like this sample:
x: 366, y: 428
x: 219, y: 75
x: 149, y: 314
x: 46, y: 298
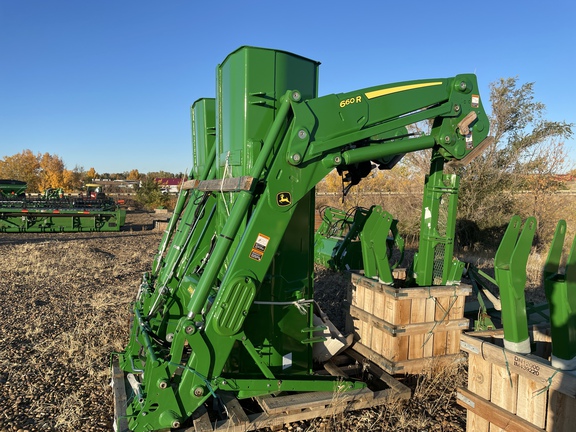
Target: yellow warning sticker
x: 259, y: 247
x: 256, y: 255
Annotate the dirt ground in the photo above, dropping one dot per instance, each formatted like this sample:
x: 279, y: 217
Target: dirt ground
x: 65, y: 301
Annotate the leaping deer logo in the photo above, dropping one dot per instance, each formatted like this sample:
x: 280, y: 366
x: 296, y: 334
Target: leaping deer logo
x: 284, y: 199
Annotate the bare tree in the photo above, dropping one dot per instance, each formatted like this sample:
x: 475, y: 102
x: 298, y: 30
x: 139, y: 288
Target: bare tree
x: 527, y: 150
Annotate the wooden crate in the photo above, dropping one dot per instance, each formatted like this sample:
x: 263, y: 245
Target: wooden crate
x: 405, y: 329
x: 515, y: 392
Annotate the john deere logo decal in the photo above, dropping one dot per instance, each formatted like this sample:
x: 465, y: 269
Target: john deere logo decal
x: 284, y: 199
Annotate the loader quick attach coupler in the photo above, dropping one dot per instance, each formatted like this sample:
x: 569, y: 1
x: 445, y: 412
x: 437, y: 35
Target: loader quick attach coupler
x: 561, y: 294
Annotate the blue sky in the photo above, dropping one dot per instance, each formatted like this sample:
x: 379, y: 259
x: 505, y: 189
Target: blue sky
x: 108, y: 84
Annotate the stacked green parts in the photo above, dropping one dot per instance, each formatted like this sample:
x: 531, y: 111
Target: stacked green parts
x: 228, y: 305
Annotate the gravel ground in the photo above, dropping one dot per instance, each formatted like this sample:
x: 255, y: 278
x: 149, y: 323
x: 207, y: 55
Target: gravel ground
x: 65, y: 307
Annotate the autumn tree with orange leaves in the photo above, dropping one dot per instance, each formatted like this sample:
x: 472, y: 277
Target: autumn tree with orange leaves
x: 40, y: 172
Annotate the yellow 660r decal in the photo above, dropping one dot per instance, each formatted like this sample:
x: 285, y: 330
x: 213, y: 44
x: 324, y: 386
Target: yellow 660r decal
x: 349, y: 101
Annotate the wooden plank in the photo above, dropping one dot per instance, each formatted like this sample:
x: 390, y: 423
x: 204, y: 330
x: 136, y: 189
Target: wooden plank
x: 389, y: 344
x: 405, y: 366
x: 532, y: 401
x: 235, y: 412
x: 561, y: 413
x: 190, y: 184
x: 453, y: 336
x: 503, y: 390
x: 418, y: 316
x: 119, y: 388
x: 400, y: 390
x: 539, y: 332
x: 201, y: 420
x: 410, y: 328
x: 413, y: 292
x: 366, y: 335
x: 349, y: 322
x: 309, y: 400
x: 334, y: 370
x: 497, y: 416
x: 405, y: 307
x: 378, y: 312
x: 428, y: 347
x: 313, y: 405
x: 376, y: 358
x: 220, y: 185
x: 529, y: 367
x: 263, y: 420
x: 358, y: 301
x: 479, y: 383
x: 441, y: 314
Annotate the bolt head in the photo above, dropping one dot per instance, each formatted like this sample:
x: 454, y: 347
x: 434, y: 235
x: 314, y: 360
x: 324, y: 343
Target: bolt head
x: 296, y: 96
x: 302, y: 134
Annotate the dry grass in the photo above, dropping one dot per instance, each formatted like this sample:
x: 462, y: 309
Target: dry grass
x: 65, y: 309
x: 432, y: 407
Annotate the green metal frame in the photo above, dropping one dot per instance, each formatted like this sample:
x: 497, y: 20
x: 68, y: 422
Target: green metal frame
x: 510, y: 268
x: 378, y: 238
x: 434, y: 264
x: 10, y: 189
x: 55, y: 212
x: 359, y: 240
x: 60, y: 215
x: 561, y: 294
x: 229, y: 303
x: 337, y: 242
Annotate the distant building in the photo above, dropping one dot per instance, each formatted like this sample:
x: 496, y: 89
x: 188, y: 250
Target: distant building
x: 169, y: 185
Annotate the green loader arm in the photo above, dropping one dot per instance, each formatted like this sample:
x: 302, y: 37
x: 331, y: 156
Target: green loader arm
x: 202, y: 321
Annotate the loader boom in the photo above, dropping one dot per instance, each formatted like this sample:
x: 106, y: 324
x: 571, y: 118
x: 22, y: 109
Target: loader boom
x: 229, y: 303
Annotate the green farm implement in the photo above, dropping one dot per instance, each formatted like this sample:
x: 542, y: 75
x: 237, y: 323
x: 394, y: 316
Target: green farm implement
x: 53, y: 211
x: 227, y: 311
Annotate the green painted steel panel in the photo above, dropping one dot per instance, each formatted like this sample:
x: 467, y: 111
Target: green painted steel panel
x: 250, y: 84
x: 202, y: 114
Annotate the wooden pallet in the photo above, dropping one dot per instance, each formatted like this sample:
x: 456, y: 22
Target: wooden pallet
x: 276, y: 411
